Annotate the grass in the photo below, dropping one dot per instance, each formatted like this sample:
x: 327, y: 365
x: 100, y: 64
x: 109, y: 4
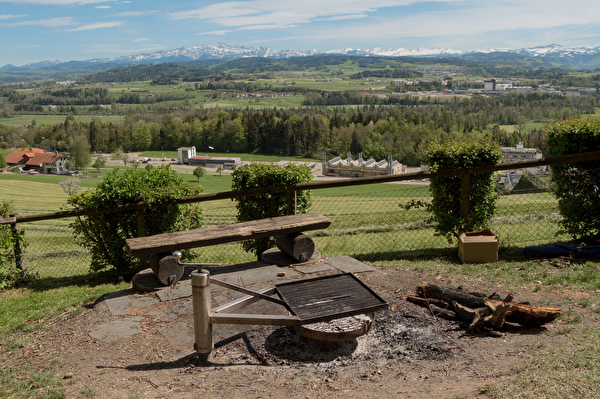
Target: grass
x: 369, y: 224
x: 568, y: 370
x: 52, y: 119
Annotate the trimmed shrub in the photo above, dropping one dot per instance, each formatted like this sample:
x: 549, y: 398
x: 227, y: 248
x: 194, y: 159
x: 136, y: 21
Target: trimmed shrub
x: 446, y: 191
x: 268, y: 205
x: 10, y: 275
x: 105, y: 234
x: 574, y: 190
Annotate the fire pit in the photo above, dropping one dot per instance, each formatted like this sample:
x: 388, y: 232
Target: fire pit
x: 309, y: 301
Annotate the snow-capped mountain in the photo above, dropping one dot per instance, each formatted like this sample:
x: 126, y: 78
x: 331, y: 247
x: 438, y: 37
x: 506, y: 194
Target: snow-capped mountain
x: 399, y: 52
x: 587, y: 57
x: 208, y: 51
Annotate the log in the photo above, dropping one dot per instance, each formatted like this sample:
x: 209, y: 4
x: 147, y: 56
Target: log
x: 436, y: 307
x: 166, y: 268
x: 530, y: 316
x: 296, y: 245
x: 477, y: 310
x: 427, y: 290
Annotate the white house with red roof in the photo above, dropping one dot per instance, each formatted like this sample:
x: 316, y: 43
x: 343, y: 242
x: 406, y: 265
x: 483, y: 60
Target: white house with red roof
x: 45, y: 162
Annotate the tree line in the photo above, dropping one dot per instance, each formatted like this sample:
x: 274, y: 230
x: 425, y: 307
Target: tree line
x: 400, y: 130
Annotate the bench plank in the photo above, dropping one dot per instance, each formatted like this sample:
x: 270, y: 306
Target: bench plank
x: 207, y: 236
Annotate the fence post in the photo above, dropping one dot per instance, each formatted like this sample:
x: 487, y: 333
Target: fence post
x: 141, y: 230
x: 465, y: 190
x: 293, y: 202
x: 18, y: 246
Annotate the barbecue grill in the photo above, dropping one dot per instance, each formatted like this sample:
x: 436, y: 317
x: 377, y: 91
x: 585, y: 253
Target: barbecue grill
x: 310, y: 301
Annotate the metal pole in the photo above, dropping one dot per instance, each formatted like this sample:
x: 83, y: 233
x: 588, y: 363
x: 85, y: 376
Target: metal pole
x: 201, y: 302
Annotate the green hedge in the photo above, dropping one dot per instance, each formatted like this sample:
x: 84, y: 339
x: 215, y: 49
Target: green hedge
x: 264, y: 206
x: 574, y: 182
x: 446, y: 191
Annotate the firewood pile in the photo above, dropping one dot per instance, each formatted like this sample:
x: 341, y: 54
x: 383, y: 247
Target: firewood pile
x: 479, y: 310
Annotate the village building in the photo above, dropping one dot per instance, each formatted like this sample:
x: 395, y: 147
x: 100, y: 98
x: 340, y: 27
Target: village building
x: 187, y: 156
x: 519, y: 153
x: 360, y: 168
x: 36, y: 162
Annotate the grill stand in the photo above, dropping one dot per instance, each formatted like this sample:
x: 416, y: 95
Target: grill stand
x: 204, y: 317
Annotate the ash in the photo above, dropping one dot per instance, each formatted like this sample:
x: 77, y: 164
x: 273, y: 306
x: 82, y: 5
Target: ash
x: 395, y: 335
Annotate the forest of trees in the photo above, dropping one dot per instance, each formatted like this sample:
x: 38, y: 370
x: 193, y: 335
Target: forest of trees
x: 402, y: 130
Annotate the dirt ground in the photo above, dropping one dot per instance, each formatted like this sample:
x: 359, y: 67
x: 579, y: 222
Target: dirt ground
x: 407, y: 354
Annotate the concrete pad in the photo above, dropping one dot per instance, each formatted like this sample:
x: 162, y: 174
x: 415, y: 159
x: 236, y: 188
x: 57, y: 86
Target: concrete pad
x: 117, y: 329
x: 348, y: 265
x: 246, y: 274
x: 118, y: 302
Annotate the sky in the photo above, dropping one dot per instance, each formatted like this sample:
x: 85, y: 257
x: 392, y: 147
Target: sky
x: 76, y: 30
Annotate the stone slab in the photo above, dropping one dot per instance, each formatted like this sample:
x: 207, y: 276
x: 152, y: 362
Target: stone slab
x: 141, y: 303
x: 316, y: 268
x: 177, y: 292
x: 247, y: 274
x: 118, y: 302
x: 117, y: 329
x: 348, y: 264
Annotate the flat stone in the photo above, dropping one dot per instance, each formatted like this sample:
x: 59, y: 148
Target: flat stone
x: 316, y: 268
x: 177, y: 292
x: 116, y: 329
x: 246, y: 274
x: 348, y: 264
x: 118, y: 302
x: 140, y: 303
x: 276, y: 257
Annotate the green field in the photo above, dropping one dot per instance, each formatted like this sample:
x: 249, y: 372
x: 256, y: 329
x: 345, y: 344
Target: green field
x: 526, y: 129
x: 52, y: 119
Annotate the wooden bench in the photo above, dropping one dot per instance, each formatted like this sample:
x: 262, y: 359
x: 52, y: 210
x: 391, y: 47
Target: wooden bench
x: 168, y: 268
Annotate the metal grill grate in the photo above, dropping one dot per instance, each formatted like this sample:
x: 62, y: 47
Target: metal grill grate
x: 329, y: 297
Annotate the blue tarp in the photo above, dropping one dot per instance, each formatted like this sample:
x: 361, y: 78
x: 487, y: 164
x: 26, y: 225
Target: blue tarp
x: 554, y: 251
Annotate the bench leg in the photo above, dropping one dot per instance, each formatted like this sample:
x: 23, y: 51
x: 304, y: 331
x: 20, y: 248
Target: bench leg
x: 201, y: 302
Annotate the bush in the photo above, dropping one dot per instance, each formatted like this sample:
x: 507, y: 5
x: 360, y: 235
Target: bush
x: 446, y: 191
x: 105, y: 234
x: 574, y: 182
x: 268, y: 205
x: 9, y: 273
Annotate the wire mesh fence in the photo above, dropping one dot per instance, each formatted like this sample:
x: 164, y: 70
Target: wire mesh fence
x: 369, y: 222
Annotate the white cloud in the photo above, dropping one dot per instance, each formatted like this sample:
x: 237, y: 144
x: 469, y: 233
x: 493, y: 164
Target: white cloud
x: 215, y: 32
x: 353, y: 16
x: 141, y: 40
x: 113, y: 48
x: 56, y: 2
x: 103, y: 7
x: 134, y: 13
x: 9, y: 16
x: 49, y: 23
x: 98, y: 25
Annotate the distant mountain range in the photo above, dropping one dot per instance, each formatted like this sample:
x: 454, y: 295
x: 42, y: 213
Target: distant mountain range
x: 553, y: 55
